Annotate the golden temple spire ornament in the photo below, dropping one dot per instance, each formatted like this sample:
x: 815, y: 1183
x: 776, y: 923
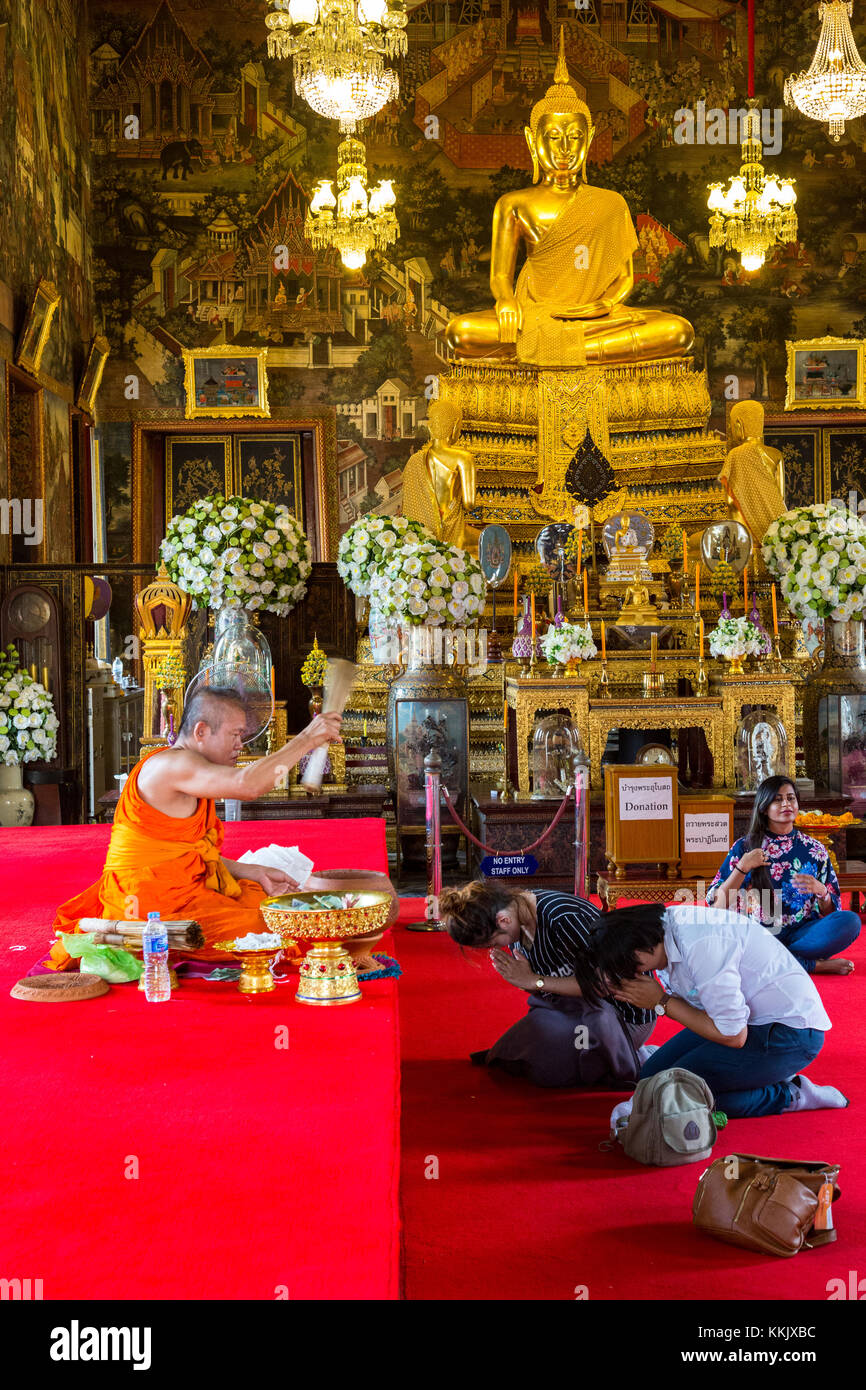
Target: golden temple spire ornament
x: 834, y: 88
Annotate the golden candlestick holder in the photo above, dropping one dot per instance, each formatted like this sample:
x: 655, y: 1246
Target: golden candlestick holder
x: 255, y: 976
x: 776, y: 662
x: 703, y: 681
x: 603, y: 683
x: 327, y: 973
x: 653, y: 684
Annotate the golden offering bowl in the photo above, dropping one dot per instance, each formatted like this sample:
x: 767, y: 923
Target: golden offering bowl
x: 327, y: 973
x: 255, y: 976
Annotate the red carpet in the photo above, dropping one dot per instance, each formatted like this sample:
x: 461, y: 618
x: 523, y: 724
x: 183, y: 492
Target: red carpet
x: 525, y: 1206
x: 262, y: 1172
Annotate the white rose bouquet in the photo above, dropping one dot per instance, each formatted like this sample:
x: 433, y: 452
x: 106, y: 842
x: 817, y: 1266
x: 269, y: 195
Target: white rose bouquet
x: 568, y: 642
x: 368, y: 545
x: 427, y: 581
x: 28, y: 724
x: 233, y: 552
x: 734, y: 638
x: 818, y: 554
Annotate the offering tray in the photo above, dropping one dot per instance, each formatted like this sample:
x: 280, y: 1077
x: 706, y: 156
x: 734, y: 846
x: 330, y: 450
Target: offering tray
x: 255, y: 976
x: 327, y: 973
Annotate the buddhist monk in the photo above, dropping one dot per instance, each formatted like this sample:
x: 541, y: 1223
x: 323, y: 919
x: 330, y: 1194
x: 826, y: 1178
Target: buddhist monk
x: 567, y: 306
x: 164, y: 853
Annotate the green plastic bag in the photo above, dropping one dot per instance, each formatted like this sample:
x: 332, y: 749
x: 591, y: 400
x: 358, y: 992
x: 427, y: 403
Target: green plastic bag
x: 112, y: 963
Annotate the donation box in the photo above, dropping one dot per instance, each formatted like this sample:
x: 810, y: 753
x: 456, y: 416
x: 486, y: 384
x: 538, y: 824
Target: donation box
x: 641, y: 816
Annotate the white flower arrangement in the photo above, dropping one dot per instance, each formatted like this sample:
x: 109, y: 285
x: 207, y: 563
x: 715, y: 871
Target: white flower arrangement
x: 28, y: 724
x: 734, y: 638
x: 427, y: 581
x: 568, y: 642
x: 370, y: 543
x: 818, y: 554
x: 236, y: 553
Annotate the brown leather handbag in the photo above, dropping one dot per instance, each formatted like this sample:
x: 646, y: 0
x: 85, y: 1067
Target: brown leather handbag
x: 775, y: 1205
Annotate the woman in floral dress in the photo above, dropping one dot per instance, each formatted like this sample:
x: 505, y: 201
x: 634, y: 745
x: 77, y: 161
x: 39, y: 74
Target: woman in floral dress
x: 785, y: 879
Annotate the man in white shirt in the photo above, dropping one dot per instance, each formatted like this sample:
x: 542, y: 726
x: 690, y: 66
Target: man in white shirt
x: 751, y: 1016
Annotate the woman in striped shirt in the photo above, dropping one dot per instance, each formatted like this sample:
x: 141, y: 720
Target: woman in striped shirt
x: 542, y: 943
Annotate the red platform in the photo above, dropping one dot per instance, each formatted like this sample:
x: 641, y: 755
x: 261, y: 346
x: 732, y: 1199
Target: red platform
x: 263, y: 1172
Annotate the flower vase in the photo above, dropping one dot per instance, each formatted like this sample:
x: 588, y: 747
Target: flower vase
x: 409, y: 738
x: 735, y: 666
x: 521, y: 647
x: 317, y: 695
x: 16, y: 803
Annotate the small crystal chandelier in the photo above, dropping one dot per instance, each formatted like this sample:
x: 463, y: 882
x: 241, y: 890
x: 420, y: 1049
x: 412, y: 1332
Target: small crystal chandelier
x: 834, y: 88
x: 362, y: 221
x: 753, y: 212
x: 338, y: 48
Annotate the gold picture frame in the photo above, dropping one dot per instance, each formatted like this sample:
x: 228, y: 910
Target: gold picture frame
x: 37, y: 326
x: 234, y: 396
x: 92, y: 378
x: 819, y: 374
x: 201, y: 457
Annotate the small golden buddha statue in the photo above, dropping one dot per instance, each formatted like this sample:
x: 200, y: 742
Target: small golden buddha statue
x: 439, y: 480
x: 638, y: 609
x: 753, y: 475
x: 625, y: 538
x: 567, y: 307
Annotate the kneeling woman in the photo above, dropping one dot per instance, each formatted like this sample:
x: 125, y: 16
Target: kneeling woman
x: 776, y: 858
x: 752, y: 1018
x: 542, y: 943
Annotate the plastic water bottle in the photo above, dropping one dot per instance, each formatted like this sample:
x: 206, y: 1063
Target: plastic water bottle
x: 157, y: 983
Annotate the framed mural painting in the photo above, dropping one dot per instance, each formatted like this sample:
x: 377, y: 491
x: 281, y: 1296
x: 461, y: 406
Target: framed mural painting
x: 268, y: 467
x: 37, y: 326
x: 196, y: 465
x: 801, y: 453
x: 825, y: 374
x: 845, y: 466
x: 225, y: 382
x: 90, y: 382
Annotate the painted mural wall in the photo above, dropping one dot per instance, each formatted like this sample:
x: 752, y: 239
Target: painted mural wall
x: 204, y: 161
x: 44, y: 233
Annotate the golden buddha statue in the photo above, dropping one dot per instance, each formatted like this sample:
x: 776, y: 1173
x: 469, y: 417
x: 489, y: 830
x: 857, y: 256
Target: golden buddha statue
x: 625, y: 538
x: 568, y: 305
x: 753, y: 475
x: 638, y: 609
x: 439, y: 480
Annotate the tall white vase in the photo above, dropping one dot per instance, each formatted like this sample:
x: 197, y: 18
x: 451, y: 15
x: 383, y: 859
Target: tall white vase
x: 16, y: 803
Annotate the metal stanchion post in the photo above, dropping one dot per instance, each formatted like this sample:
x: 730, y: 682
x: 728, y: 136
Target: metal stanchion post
x: 581, y: 827
x: 432, y: 778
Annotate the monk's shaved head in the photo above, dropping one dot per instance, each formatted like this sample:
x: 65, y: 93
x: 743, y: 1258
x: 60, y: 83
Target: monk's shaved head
x: 211, y: 706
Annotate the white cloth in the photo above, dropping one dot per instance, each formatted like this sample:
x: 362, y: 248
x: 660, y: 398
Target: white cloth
x: 290, y: 861
x: 737, y: 971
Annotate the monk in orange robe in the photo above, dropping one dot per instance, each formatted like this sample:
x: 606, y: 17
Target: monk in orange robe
x: 164, y: 853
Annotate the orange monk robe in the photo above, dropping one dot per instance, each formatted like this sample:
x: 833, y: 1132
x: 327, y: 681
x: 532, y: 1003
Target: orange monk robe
x: 169, y: 865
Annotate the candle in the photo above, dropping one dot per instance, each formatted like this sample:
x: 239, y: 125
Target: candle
x: 685, y: 554
x: 515, y: 593
x: 505, y: 717
x: 603, y: 641
x: 273, y: 685
x: 579, y: 551
x: 585, y: 593
x: 653, y: 642
x: 745, y: 590
x: 775, y: 614
x: 532, y: 611
x: 365, y: 728
x: 697, y: 587
x: 702, y: 637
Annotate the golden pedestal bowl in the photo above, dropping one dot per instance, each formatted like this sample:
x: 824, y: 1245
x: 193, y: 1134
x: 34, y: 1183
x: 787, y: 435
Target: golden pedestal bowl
x: 255, y: 976
x: 327, y: 973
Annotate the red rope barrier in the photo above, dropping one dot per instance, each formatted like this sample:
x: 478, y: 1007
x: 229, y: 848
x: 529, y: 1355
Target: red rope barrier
x: 498, y: 853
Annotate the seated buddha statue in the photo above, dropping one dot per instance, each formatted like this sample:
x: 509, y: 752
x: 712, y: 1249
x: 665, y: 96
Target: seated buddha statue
x: 625, y: 538
x: 638, y: 609
x: 753, y: 475
x: 439, y: 479
x: 568, y: 305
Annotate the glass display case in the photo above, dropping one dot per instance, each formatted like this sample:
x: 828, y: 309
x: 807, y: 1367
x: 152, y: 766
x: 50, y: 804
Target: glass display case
x: 556, y: 744
x: 762, y: 748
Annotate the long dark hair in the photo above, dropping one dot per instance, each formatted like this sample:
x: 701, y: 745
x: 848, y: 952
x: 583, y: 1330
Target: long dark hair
x: 759, y: 825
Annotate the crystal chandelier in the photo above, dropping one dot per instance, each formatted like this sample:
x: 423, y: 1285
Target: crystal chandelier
x: 362, y: 221
x: 834, y: 88
x: 339, y: 48
x: 753, y: 212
